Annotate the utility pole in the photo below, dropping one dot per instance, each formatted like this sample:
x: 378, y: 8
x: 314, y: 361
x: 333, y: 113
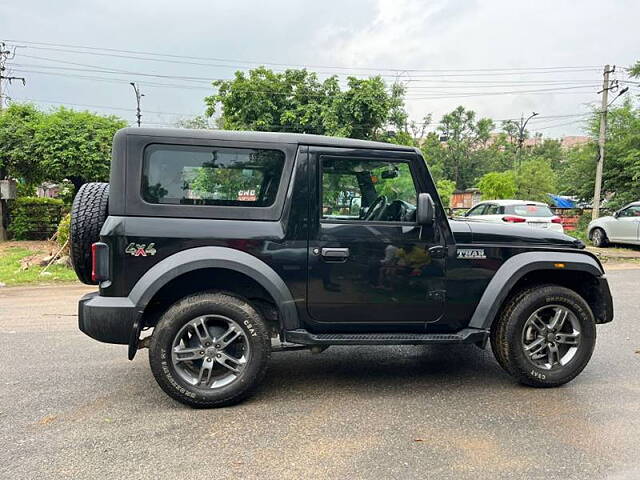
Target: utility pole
x: 138, y: 96
x: 5, y: 55
x: 595, y: 212
x: 523, y: 125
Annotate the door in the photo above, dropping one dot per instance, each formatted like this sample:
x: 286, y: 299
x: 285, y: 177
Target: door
x: 369, y: 262
x: 624, y: 227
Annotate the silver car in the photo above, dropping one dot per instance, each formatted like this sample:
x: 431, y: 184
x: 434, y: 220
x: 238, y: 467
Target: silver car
x: 621, y: 227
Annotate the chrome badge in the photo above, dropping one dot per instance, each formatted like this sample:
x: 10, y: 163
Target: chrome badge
x: 471, y: 253
x: 140, y: 250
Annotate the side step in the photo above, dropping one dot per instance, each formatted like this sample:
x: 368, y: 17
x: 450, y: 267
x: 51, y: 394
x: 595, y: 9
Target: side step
x: 467, y: 335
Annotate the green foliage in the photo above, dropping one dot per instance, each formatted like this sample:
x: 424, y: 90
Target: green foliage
x: 497, y: 185
x: 534, y: 180
x: 24, y: 189
x: 445, y: 190
x: 197, y: 122
x: 621, y: 173
x: 463, y: 157
x: 63, y: 230
x: 34, y: 218
x: 19, y: 125
x: 37, y: 146
x: 76, y: 145
x: 297, y: 101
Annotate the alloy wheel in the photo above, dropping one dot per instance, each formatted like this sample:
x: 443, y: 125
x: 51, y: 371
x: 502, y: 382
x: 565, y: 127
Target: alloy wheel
x: 551, y: 337
x: 210, y: 351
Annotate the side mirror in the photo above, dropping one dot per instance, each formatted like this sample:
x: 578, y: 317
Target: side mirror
x: 616, y: 214
x: 426, y: 211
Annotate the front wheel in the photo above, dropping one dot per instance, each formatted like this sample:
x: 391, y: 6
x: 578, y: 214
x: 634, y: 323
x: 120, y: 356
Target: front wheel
x: 599, y: 238
x: 545, y: 336
x: 210, y: 349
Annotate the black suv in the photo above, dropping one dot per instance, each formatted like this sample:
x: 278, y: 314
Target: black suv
x: 227, y: 246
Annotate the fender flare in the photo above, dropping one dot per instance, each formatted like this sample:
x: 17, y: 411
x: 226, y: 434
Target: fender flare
x: 517, y: 267
x: 210, y: 257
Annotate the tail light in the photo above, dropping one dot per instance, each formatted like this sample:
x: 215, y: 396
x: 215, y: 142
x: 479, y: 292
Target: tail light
x: 511, y: 219
x: 556, y: 220
x: 99, y: 262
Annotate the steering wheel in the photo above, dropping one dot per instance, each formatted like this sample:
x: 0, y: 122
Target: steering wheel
x: 376, y: 207
x: 396, y: 211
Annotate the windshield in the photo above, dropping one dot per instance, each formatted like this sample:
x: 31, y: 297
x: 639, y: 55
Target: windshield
x: 529, y: 210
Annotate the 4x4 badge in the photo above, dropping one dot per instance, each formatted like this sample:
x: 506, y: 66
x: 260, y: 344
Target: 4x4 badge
x: 140, y: 250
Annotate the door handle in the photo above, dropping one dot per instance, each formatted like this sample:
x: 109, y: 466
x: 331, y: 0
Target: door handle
x: 335, y: 253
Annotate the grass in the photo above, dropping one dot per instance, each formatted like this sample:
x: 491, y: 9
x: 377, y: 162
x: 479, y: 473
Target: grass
x: 11, y: 274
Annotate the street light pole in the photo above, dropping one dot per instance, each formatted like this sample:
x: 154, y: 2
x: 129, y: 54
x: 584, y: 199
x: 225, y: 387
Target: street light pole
x: 523, y: 125
x: 138, y: 96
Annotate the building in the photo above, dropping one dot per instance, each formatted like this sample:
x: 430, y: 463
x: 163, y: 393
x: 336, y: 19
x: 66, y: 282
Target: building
x: 465, y: 198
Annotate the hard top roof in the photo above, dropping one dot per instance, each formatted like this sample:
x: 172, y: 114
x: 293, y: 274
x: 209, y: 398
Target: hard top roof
x: 264, y: 137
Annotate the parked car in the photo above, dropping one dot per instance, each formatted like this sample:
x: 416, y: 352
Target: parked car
x: 621, y: 227
x: 215, y: 249
x: 516, y: 212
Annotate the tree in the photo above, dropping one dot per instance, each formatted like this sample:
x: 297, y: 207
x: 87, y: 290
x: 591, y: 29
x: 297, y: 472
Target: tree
x: 75, y: 145
x: 445, y: 190
x: 621, y: 174
x: 18, y: 126
x: 64, y: 144
x: 465, y: 138
x: 297, y: 101
x: 198, y: 122
x: 497, y: 185
x: 534, y: 180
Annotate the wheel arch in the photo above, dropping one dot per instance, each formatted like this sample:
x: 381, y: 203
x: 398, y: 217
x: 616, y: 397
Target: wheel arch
x: 594, y: 227
x: 578, y: 271
x: 209, y: 263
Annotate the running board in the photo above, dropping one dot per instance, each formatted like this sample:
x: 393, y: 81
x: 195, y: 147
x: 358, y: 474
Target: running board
x: 467, y: 335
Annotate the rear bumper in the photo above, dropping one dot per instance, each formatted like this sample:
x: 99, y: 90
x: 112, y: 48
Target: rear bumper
x: 107, y: 319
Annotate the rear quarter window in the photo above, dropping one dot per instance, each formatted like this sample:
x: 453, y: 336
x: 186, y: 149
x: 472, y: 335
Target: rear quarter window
x: 192, y: 175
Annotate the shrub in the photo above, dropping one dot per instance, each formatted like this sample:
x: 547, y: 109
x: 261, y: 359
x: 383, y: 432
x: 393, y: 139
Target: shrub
x: 63, y: 230
x: 34, y: 218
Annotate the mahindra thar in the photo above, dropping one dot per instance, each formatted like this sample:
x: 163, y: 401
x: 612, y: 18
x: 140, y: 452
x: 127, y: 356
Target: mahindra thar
x: 216, y: 248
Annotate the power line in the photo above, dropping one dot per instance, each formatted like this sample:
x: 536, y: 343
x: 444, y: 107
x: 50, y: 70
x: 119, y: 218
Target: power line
x: 78, y: 49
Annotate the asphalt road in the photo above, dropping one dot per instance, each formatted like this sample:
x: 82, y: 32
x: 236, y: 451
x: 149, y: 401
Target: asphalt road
x: 71, y: 407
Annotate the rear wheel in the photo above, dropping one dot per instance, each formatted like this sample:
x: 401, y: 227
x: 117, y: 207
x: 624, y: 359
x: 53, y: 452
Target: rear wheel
x: 210, y: 350
x: 599, y: 238
x: 545, y: 336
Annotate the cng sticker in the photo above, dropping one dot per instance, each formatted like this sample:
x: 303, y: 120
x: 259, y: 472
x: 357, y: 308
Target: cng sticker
x: 471, y: 253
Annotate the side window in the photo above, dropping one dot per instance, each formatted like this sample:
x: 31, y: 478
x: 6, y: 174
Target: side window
x: 367, y: 190
x: 492, y: 210
x: 477, y: 210
x: 633, y: 211
x: 188, y: 175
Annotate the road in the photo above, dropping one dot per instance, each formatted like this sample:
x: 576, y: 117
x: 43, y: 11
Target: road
x: 71, y: 407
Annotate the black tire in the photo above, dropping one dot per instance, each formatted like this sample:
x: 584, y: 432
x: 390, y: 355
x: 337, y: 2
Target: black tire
x: 186, y: 310
x: 507, y: 335
x: 88, y: 213
x: 599, y: 238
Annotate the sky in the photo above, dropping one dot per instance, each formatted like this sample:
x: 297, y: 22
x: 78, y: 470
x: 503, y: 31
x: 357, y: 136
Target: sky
x: 502, y: 59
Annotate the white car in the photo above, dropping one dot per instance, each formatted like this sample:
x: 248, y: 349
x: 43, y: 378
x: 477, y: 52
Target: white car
x: 621, y: 227
x: 516, y: 212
